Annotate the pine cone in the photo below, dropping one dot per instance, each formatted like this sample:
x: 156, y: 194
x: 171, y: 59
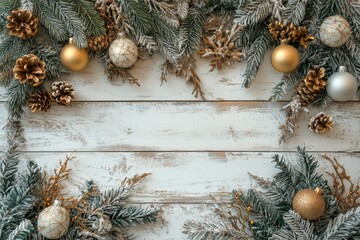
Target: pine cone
x: 30, y: 69
x: 309, y: 88
x: 99, y: 42
x: 277, y: 29
x: 62, y: 92
x: 321, y: 123
x: 301, y: 35
x: 39, y: 101
x: 22, y: 23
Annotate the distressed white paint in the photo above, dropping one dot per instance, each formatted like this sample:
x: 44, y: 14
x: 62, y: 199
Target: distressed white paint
x: 123, y: 130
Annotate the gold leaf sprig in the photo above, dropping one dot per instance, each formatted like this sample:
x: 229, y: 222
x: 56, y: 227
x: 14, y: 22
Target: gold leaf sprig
x: 344, y: 190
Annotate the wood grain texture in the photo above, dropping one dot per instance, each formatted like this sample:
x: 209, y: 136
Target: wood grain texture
x: 182, y: 126
x: 178, y: 178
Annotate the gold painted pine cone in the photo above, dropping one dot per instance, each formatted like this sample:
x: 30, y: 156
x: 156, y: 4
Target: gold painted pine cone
x: 30, y: 69
x: 99, y: 43
x: 321, y: 123
x: 62, y: 92
x: 39, y: 101
x: 22, y: 23
x: 311, y: 85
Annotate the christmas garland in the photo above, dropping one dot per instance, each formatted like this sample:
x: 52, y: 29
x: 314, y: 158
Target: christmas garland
x: 33, y: 206
x: 318, y: 37
x: 297, y: 203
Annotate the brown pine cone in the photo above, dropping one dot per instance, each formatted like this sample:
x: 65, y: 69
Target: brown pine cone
x: 99, y: 43
x: 311, y: 85
x: 22, y: 23
x: 277, y: 29
x: 39, y: 101
x: 62, y: 92
x: 301, y: 34
x: 321, y: 123
x: 30, y: 69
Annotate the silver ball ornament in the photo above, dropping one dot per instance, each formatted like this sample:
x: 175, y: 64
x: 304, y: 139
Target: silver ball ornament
x: 123, y: 52
x: 342, y: 85
x: 335, y: 31
x: 53, y: 222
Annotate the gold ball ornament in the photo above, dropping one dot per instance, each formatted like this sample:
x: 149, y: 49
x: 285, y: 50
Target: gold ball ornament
x: 53, y: 222
x: 285, y: 58
x: 123, y: 52
x: 309, y: 203
x: 74, y: 58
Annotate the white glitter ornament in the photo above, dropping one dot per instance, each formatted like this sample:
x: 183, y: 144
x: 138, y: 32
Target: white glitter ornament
x: 342, y: 85
x: 123, y: 52
x: 335, y: 31
x: 53, y: 222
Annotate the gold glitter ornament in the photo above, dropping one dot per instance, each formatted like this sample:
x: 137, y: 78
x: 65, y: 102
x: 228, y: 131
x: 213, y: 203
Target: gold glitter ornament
x: 309, y: 204
x: 285, y: 58
x: 53, y: 222
x: 74, y: 58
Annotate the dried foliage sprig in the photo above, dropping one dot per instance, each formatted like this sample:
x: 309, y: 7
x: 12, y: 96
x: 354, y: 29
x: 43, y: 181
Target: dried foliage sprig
x: 344, y: 189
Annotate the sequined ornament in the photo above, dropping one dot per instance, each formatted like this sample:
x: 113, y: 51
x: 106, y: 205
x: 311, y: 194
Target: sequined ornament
x: 74, y: 58
x: 53, y: 222
x: 309, y: 203
x: 123, y: 52
x: 335, y: 31
x: 342, y: 85
x: 285, y: 58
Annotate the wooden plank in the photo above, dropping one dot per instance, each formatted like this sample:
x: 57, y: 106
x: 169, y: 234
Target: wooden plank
x: 173, y: 218
x: 186, y: 177
x: 182, y: 126
x: 92, y: 85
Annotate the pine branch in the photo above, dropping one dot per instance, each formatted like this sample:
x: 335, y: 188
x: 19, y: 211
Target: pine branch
x: 16, y: 98
x: 10, y: 47
x: 295, y: 11
x: 138, y: 15
x: 191, y: 31
x: 343, y: 226
x: 10, y: 158
x: 94, y: 24
x: 197, y: 230
x: 256, y: 55
x: 7, y: 5
x: 303, y: 229
x: 46, y: 14
x: 64, y: 11
x: 253, y: 12
x: 22, y: 231
x: 134, y: 216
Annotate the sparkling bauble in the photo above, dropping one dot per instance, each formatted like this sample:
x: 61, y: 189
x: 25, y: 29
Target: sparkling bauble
x: 342, y: 85
x: 285, y: 58
x: 335, y: 31
x: 309, y: 204
x: 53, y: 222
x: 74, y: 58
x: 123, y: 52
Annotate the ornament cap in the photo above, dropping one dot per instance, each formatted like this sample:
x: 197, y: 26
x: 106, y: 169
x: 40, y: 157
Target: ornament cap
x: 71, y: 40
x: 121, y: 35
x: 284, y: 41
x: 57, y: 203
x: 318, y: 191
x: 342, y: 69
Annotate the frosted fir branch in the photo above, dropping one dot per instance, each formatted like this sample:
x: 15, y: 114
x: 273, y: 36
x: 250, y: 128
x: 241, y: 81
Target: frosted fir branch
x: 134, y: 216
x: 7, y: 5
x: 256, y: 55
x: 182, y: 8
x: 197, y: 230
x: 94, y: 25
x: 303, y: 229
x: 295, y: 11
x: 253, y: 12
x: 191, y: 31
x: 343, y: 226
x: 22, y: 231
x: 10, y: 46
x: 56, y: 27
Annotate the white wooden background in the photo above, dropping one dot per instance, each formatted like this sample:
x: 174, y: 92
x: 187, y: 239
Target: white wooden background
x: 192, y: 148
